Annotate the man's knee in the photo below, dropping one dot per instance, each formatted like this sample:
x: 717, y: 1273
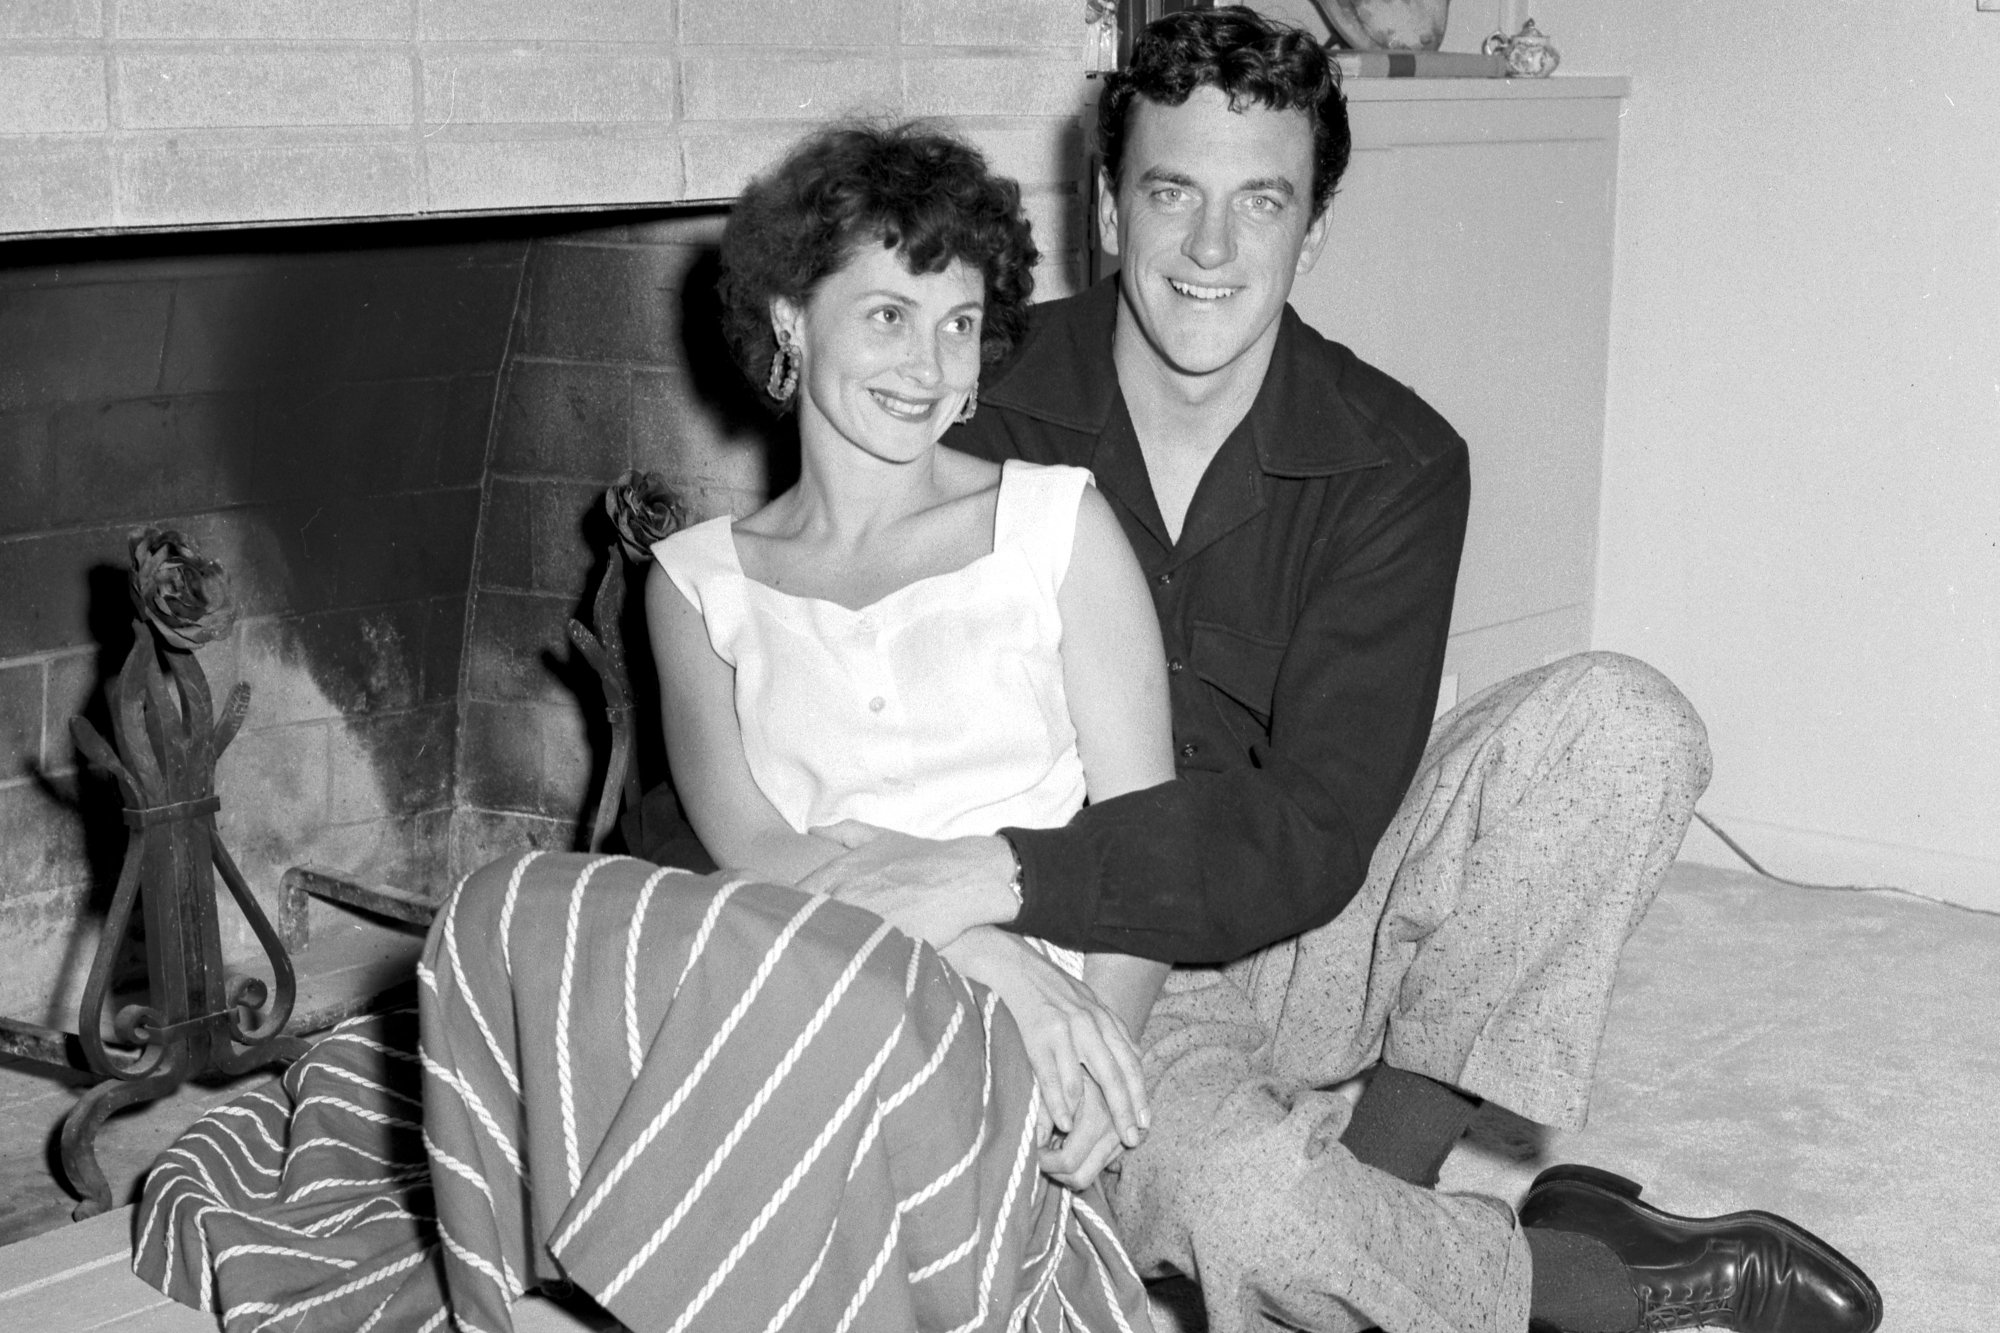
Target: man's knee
x: 1640, y: 711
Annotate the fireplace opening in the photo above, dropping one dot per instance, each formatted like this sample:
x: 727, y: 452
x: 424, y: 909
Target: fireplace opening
x: 394, y: 437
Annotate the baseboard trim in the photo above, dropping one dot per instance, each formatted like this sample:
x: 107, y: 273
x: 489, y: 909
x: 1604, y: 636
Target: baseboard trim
x: 1817, y: 857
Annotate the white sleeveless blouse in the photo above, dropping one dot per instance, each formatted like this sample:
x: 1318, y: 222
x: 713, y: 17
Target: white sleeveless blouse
x: 938, y: 710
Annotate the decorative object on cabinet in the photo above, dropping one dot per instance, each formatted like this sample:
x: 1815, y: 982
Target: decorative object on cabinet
x: 1100, y: 42
x: 1386, y: 25
x: 1418, y: 64
x: 1529, y: 53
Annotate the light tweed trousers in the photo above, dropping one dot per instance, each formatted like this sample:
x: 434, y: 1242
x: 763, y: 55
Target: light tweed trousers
x: 1480, y: 952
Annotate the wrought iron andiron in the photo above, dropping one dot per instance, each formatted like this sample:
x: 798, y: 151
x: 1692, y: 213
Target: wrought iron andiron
x: 198, y: 1021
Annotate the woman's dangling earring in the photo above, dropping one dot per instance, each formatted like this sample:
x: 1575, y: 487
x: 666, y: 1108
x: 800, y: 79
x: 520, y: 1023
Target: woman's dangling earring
x: 784, y: 372
x: 971, y: 405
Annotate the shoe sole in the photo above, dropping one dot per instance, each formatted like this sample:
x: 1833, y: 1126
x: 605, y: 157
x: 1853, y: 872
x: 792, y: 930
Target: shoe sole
x: 1576, y: 1173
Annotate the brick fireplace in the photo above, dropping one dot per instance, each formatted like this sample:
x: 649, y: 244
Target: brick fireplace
x: 475, y: 287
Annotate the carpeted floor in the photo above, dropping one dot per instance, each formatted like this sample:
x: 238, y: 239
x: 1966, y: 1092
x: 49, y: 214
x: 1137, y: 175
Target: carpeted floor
x: 1834, y: 1057
x: 1831, y: 1056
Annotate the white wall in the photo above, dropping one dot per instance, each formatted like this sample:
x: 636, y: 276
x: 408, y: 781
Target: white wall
x: 1801, y: 516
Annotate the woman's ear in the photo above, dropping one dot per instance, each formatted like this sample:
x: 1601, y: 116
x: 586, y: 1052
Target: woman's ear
x: 787, y: 321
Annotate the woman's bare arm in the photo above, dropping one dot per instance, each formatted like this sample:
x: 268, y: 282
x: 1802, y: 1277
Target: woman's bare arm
x: 1115, y: 674
x: 735, y: 821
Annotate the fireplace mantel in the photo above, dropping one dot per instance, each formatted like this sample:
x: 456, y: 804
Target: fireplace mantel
x: 165, y: 114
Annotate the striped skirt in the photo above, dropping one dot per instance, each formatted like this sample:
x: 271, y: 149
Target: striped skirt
x: 708, y: 1103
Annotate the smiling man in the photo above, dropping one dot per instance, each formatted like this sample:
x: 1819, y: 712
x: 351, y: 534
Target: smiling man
x: 1349, y: 890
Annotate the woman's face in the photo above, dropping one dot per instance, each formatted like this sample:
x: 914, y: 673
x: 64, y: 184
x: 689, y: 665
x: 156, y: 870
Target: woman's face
x: 889, y: 355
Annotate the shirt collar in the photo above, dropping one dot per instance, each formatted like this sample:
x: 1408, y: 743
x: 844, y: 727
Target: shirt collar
x: 1064, y: 375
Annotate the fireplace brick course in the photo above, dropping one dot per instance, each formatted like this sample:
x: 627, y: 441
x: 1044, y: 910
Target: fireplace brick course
x: 52, y: 18
x: 59, y: 93
x: 323, y: 20
x: 517, y: 86
x: 295, y: 85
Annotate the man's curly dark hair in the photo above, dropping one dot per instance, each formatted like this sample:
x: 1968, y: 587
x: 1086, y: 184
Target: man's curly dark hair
x: 906, y: 187
x: 1255, y: 60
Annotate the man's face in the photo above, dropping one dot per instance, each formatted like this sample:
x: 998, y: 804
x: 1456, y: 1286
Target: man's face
x: 1211, y: 221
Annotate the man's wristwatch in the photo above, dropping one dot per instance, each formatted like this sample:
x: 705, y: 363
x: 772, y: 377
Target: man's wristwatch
x: 1014, y: 881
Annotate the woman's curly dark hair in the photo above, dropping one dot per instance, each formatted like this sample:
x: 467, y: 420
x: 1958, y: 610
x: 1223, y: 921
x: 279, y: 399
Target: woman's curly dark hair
x: 1255, y: 60
x: 906, y: 187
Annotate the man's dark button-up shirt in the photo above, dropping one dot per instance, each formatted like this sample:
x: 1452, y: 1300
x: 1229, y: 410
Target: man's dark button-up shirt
x: 1304, y: 608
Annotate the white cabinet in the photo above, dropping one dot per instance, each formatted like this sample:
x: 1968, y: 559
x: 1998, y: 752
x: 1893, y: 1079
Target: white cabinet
x: 1470, y: 257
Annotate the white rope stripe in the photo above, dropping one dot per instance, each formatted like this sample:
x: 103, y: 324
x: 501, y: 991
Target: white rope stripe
x: 172, y: 1236
x: 1039, y: 1271
x: 283, y: 1251
x: 972, y: 1152
x: 1107, y: 1237
x: 200, y: 1168
x: 471, y: 1003
x: 565, y: 1088
x: 1014, y: 1178
x: 874, y: 1273
x: 791, y: 1182
x: 188, y: 1192
x: 337, y: 1037
x: 478, y: 1109
x: 507, y: 911
x: 508, y: 1290
x: 1104, y: 1286
x: 743, y: 1120
x: 368, y: 1324
x: 632, y: 966
x: 247, y: 1154
x: 703, y: 932
x: 950, y: 1257
x: 381, y: 1274
x: 200, y: 1134
x: 250, y: 1308
x: 694, y: 1076
x: 207, y: 1299
x: 874, y: 1125
x: 263, y: 1130
x: 327, y: 1141
x: 805, y: 1282
x: 362, y: 1081
x: 404, y: 1177
x: 269, y: 1099
x: 439, y: 1157
x: 344, y: 1219
x: 1055, y: 1237
x: 930, y: 1066
x: 352, y: 1108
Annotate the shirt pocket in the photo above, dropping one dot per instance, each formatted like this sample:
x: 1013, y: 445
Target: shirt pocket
x: 1244, y: 669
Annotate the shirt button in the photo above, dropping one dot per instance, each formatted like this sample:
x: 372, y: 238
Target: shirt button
x: 1189, y: 750
x: 1176, y: 666
x: 877, y: 704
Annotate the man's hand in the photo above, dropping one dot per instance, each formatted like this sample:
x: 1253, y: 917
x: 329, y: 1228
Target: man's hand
x: 1076, y: 1046
x: 932, y: 890
x: 1093, y: 1143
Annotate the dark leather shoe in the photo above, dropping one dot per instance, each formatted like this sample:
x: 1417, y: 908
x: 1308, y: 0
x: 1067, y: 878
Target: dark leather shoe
x: 1754, y: 1272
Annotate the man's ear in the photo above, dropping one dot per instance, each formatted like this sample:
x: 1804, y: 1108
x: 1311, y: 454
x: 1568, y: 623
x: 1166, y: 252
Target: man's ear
x: 1107, y: 213
x: 1314, y: 242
